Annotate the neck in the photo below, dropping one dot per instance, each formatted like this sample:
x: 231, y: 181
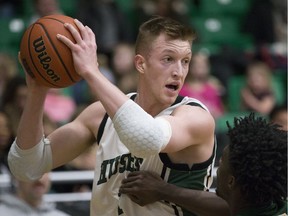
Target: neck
x: 151, y: 106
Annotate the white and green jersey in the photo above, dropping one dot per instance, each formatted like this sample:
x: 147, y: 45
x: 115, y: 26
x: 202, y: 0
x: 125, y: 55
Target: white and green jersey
x: 114, y: 162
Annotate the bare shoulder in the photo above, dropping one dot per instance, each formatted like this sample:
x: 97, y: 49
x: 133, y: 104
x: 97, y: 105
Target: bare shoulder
x: 193, y: 133
x: 194, y: 116
x: 191, y: 126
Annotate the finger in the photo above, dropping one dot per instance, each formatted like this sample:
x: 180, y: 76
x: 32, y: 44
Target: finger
x: 90, y: 33
x: 134, y: 198
x: 135, y: 173
x: 129, y: 185
x: 129, y: 179
x: 76, y: 35
x: 126, y: 189
x: 66, y: 41
x: 82, y: 29
x: 23, y: 66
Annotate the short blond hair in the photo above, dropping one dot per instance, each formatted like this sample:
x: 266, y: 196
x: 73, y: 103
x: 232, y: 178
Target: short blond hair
x: 157, y: 25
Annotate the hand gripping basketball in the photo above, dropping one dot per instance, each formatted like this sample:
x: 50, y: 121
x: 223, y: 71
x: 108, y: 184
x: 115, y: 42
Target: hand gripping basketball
x: 84, y: 49
x: 44, y: 57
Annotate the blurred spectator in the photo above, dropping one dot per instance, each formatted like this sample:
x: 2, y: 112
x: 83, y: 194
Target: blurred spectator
x: 44, y: 8
x: 279, y: 115
x: 107, y: 21
x: 227, y: 63
x: 200, y: 84
x: 10, y: 8
x: 59, y: 107
x: 275, y: 54
x: 14, y: 98
x: 266, y: 22
x: 80, y: 90
x: 123, y: 67
x: 8, y: 69
x: 6, y: 139
x: 81, y: 94
x: 257, y: 94
x: 28, y: 199
x: 175, y: 9
x: 259, y: 22
x: 105, y: 67
x: 280, y: 26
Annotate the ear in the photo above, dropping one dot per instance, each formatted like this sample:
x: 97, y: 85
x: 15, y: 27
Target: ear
x: 231, y: 182
x: 139, y: 62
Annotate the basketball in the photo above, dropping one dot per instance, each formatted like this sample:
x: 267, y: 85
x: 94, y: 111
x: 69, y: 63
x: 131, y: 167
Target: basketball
x: 44, y: 57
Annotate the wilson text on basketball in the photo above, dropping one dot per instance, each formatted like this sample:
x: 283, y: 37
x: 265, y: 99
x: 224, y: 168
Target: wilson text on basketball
x: 45, y: 59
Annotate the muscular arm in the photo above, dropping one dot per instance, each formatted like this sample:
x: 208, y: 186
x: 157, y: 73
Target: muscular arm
x: 77, y: 136
x: 191, y: 125
x: 145, y: 187
x: 30, y: 128
x: 65, y: 143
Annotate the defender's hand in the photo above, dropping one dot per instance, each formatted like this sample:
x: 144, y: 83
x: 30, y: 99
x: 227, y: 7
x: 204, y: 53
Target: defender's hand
x: 143, y: 187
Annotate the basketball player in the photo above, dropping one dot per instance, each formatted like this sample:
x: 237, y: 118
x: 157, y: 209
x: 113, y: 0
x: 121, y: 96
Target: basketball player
x: 252, y: 175
x: 153, y: 129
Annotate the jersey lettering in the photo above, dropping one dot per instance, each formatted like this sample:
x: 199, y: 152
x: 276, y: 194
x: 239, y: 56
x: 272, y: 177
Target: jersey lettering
x: 120, y: 164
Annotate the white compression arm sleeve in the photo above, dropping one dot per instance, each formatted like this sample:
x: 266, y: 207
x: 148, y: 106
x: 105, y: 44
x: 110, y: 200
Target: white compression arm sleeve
x: 142, y: 134
x: 30, y: 164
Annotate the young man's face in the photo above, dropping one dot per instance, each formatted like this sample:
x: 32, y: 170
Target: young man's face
x: 224, y: 176
x: 166, y: 66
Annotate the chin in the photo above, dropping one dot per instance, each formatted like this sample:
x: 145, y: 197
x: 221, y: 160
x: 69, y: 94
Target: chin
x: 171, y: 99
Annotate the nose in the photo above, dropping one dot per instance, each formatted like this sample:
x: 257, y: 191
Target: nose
x: 177, y: 69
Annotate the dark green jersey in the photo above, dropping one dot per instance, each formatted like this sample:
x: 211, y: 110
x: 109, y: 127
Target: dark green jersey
x: 198, y: 177
x: 271, y: 210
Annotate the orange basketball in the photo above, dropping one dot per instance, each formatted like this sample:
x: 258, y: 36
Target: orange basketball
x: 44, y: 57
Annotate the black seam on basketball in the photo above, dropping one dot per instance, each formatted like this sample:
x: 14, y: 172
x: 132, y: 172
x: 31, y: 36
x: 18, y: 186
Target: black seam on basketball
x: 56, y: 50
x: 52, y: 19
x: 34, y: 63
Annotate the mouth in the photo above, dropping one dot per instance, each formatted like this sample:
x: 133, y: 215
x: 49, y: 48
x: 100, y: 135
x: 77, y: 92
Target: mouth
x: 173, y: 87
